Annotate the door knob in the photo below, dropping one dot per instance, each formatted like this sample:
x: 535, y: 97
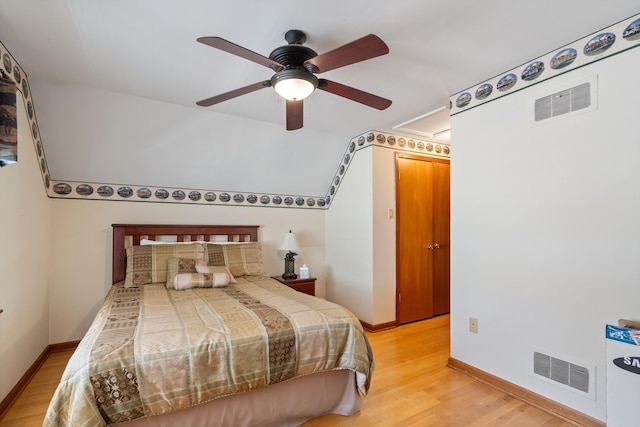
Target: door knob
x: 430, y: 247
x: 436, y: 246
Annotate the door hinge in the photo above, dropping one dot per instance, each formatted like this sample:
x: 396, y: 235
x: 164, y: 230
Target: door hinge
x: 399, y: 298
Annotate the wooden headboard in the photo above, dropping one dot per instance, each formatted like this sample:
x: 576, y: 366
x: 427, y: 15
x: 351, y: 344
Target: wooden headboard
x: 125, y: 235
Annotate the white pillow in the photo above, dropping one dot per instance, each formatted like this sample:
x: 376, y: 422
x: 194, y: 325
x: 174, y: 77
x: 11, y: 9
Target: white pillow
x: 203, y: 268
x: 159, y: 242
x: 227, y: 243
x: 184, y: 281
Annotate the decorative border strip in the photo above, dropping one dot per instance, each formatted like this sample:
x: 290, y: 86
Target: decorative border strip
x: 385, y: 140
x: 612, y: 40
x: 13, y: 69
x: 136, y: 193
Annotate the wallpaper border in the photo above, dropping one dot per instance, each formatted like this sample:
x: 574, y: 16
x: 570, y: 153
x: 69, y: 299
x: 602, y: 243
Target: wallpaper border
x: 19, y: 76
x: 609, y: 41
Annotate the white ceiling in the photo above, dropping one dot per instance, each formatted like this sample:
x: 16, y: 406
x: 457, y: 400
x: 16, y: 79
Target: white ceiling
x: 147, y: 49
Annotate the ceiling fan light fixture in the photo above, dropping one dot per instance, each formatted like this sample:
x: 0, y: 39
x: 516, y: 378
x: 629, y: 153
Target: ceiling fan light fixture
x: 294, y: 84
x: 295, y: 68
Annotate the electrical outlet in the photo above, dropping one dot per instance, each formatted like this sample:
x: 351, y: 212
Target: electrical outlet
x: 473, y: 325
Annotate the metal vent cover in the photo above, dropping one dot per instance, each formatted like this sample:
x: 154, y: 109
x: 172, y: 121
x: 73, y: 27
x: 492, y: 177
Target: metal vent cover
x: 561, y: 371
x: 563, y: 102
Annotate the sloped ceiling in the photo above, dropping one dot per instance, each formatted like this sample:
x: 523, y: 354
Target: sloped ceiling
x: 114, y: 83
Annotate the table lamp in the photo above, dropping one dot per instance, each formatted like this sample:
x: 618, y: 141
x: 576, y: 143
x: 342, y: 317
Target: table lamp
x: 289, y: 245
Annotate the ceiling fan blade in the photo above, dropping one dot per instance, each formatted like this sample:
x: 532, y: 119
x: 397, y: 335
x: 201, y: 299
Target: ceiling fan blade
x: 362, y: 49
x: 354, y: 94
x: 240, y: 51
x: 234, y: 93
x: 294, y: 114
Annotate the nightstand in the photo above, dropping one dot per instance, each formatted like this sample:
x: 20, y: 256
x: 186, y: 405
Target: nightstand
x: 308, y: 286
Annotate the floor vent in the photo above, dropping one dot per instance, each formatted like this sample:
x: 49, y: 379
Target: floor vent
x: 561, y: 371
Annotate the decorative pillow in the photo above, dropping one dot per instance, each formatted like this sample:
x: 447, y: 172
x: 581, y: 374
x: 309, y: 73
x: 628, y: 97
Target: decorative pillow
x: 202, y: 268
x: 241, y: 260
x: 177, y: 266
x: 148, y: 264
x: 215, y: 255
x: 184, y: 281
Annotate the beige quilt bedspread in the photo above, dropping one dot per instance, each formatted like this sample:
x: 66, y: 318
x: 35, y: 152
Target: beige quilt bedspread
x: 151, y: 350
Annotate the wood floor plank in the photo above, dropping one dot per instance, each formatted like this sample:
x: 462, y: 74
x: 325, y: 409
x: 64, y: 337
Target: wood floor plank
x: 32, y: 404
x: 411, y: 387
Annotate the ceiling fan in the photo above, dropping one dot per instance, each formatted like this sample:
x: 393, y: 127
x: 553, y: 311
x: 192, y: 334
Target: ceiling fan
x: 295, y: 67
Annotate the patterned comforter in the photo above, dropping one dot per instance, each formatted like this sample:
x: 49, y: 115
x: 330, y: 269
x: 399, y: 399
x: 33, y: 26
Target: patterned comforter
x: 152, y: 351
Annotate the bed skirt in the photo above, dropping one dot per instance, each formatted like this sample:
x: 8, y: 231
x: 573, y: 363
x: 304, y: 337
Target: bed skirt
x: 284, y: 404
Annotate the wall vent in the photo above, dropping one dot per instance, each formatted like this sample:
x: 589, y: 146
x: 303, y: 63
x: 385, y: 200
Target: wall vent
x: 577, y: 99
x: 574, y: 376
x: 561, y: 371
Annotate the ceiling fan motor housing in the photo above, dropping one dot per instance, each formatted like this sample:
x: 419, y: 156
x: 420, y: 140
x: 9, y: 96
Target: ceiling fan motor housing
x: 293, y: 57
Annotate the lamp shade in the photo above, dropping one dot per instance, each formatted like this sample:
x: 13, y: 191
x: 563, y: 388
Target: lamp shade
x: 289, y: 243
x: 294, y: 89
x: 294, y: 84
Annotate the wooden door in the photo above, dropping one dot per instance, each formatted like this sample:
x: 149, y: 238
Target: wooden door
x: 422, y: 238
x: 441, y: 251
x: 414, y: 204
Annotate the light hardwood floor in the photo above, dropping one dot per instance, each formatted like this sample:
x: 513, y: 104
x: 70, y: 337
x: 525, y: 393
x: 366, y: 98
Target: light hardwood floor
x: 411, y: 387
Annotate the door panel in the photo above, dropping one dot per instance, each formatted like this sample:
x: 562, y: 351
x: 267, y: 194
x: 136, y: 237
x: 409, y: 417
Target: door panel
x: 414, y: 204
x: 441, y: 256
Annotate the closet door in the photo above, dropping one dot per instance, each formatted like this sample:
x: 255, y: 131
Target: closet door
x: 441, y: 253
x: 422, y: 237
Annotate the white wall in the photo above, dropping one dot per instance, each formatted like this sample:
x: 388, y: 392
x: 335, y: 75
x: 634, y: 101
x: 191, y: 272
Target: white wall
x: 384, y: 235
x: 81, y: 248
x: 544, y: 229
x: 349, y: 239
x: 24, y: 260
x: 361, y: 238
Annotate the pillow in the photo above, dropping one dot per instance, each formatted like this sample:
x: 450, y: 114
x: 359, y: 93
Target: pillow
x: 202, y: 268
x: 241, y: 260
x: 159, y: 242
x: 224, y: 242
x: 184, y: 281
x: 177, y: 266
x: 148, y: 264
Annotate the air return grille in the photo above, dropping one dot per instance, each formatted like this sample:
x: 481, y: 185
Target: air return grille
x: 561, y: 371
x: 563, y: 102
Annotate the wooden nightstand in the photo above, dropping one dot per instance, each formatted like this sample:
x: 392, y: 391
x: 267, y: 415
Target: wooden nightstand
x: 308, y: 286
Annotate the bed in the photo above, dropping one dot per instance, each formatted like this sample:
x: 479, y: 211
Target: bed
x: 224, y: 345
